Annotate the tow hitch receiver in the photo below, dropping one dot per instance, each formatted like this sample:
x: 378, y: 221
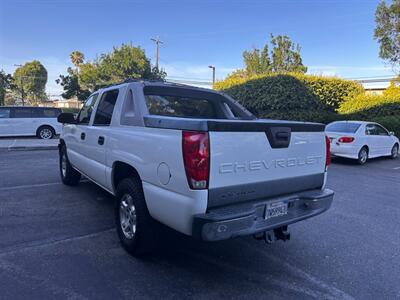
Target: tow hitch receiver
x: 273, y: 235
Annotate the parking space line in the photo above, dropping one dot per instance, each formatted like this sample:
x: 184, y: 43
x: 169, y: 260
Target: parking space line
x: 397, y: 168
x: 10, y: 188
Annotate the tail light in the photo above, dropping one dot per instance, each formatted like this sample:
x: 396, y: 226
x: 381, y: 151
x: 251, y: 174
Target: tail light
x: 346, y: 139
x: 328, y: 151
x: 196, y: 158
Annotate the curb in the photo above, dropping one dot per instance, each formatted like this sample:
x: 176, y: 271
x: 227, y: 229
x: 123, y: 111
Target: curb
x: 28, y: 148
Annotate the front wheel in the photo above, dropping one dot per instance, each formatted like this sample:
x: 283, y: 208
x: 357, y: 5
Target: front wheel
x: 69, y: 175
x: 395, y: 151
x: 136, y: 228
x: 362, y: 156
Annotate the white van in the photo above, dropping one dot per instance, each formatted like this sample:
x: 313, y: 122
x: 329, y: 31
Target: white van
x: 29, y: 121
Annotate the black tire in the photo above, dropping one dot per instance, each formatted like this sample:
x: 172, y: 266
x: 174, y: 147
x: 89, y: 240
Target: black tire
x: 362, y: 156
x: 395, y: 152
x: 45, y: 132
x: 142, y: 239
x: 69, y: 175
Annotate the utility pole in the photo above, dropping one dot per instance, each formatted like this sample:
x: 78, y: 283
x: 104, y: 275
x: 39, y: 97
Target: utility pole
x: 158, y: 42
x: 22, y: 86
x: 213, y: 73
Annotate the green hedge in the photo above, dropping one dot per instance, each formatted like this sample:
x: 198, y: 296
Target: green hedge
x: 262, y: 94
x: 313, y: 98
x: 383, y: 109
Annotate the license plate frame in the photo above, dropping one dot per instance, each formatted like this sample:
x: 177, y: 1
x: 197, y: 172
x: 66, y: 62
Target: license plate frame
x: 276, y: 209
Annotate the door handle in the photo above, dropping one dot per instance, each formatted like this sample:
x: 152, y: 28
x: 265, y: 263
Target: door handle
x: 83, y: 136
x: 101, y: 140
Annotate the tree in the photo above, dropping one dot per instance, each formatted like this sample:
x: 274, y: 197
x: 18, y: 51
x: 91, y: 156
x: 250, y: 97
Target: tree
x: 77, y: 58
x: 122, y: 63
x: 5, y: 84
x: 72, y: 89
x: 387, y: 32
x: 30, y: 81
x: 284, y: 57
x: 256, y: 62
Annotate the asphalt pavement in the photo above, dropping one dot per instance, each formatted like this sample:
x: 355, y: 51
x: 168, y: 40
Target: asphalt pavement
x: 59, y: 242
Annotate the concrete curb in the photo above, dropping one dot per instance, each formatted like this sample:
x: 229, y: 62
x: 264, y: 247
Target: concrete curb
x: 28, y: 148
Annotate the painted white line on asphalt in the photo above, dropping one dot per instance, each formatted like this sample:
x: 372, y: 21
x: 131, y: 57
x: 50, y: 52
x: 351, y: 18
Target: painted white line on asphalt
x: 397, y: 168
x: 27, y: 186
x: 12, y: 145
x: 53, y: 242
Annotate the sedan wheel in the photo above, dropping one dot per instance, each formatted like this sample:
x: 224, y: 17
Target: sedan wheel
x: 395, y: 151
x: 362, y: 156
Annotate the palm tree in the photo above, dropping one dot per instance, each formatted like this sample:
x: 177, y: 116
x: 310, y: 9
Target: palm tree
x: 77, y: 58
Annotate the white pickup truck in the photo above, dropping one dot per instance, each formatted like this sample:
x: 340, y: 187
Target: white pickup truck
x: 195, y: 160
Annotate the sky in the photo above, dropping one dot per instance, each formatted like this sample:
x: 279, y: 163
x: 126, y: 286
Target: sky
x: 336, y: 36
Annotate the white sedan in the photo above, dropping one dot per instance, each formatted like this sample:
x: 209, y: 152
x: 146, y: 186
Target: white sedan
x: 361, y: 140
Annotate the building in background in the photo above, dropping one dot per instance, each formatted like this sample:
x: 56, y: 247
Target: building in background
x: 67, y: 103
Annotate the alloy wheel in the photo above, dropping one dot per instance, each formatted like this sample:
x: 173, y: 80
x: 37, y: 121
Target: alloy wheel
x: 127, y: 216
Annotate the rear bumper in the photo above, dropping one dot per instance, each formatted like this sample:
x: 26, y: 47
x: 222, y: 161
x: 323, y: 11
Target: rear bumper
x: 249, y: 218
x: 342, y: 150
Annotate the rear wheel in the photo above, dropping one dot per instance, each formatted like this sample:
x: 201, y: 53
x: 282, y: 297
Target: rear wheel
x: 69, y: 175
x: 45, y: 133
x: 136, y: 229
x: 362, y: 156
x: 395, y: 151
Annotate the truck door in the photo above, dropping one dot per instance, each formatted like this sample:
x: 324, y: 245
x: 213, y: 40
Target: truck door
x: 75, y: 135
x: 97, y: 137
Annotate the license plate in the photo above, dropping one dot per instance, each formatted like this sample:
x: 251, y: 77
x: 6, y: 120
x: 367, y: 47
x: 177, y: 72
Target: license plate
x: 276, y: 209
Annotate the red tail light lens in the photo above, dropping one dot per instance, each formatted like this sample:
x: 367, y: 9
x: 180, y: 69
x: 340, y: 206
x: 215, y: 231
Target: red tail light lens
x: 328, y: 151
x: 196, y: 158
x: 346, y: 139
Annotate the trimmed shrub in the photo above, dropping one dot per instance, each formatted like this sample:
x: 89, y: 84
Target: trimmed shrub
x: 270, y: 93
x: 383, y: 109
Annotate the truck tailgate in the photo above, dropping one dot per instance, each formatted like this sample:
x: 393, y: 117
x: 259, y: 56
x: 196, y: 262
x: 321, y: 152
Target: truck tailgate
x: 245, y: 165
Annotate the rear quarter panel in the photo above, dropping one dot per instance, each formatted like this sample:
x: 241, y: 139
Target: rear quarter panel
x: 173, y: 204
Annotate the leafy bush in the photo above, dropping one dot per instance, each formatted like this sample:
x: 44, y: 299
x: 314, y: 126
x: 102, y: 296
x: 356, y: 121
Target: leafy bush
x: 305, y: 94
x: 383, y: 109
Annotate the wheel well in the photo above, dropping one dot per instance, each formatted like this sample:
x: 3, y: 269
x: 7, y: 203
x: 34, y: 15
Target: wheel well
x: 121, y: 171
x: 366, y: 147
x: 45, y: 125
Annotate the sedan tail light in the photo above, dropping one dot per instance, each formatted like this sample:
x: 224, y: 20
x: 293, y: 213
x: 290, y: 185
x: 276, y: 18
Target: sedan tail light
x: 346, y: 139
x: 328, y: 152
x: 196, y: 158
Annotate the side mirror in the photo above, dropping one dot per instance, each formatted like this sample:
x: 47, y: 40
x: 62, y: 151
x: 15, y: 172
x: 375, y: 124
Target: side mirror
x: 66, y: 118
x: 391, y: 133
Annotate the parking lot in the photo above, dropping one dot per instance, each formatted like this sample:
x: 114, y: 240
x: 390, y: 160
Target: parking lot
x: 59, y: 241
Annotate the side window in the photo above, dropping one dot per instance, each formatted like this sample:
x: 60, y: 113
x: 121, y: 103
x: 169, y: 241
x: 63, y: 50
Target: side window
x: 86, y: 111
x: 105, y: 108
x: 50, y: 113
x: 380, y: 130
x: 22, y: 112
x: 4, y: 113
x: 370, y: 129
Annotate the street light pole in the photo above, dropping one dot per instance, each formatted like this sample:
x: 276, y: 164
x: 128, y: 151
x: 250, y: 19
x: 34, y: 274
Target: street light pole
x: 213, y: 73
x: 22, y: 86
